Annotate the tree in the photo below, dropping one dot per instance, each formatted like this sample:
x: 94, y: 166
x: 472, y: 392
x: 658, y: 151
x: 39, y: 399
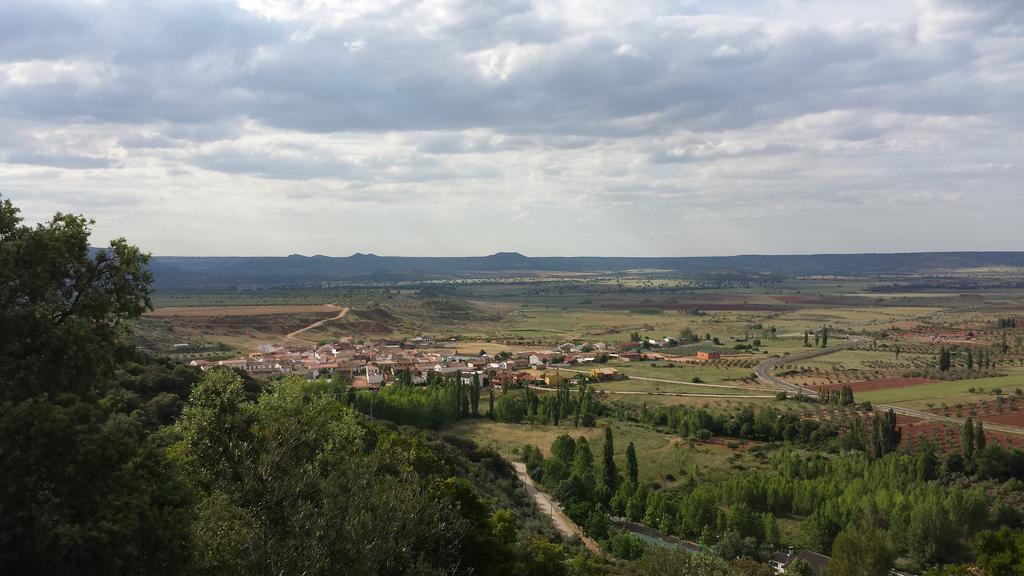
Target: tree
x: 217, y: 425
x: 664, y: 562
x: 87, y: 492
x: 490, y: 402
x: 563, y: 449
x: 306, y: 490
x: 632, y: 467
x: 85, y: 487
x: 64, y: 307
x: 861, y: 550
x: 609, y: 473
x: 799, y: 567
x: 475, y: 394
x: 1001, y: 552
x: 967, y: 438
x: 979, y: 436
x: 583, y: 459
x: 510, y: 408
x: 945, y: 360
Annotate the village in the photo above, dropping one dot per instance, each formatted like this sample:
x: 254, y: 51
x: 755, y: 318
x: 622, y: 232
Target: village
x: 369, y: 365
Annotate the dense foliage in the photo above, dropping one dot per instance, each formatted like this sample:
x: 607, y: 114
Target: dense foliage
x: 114, y: 462
x: 765, y: 423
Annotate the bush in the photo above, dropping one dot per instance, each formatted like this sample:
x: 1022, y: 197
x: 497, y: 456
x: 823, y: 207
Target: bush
x: 625, y: 545
x: 509, y: 408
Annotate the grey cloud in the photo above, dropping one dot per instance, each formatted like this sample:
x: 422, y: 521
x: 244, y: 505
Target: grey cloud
x: 523, y: 103
x: 711, y: 153
x: 145, y: 141
x: 68, y: 161
x: 270, y: 165
x: 199, y: 63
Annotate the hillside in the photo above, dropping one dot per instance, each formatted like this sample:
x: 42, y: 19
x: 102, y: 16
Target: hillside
x: 185, y: 272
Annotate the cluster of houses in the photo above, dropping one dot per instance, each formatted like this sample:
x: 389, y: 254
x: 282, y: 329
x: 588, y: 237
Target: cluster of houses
x: 374, y: 364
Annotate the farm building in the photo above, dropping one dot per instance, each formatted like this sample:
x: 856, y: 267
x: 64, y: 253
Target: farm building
x: 606, y: 373
x: 707, y: 355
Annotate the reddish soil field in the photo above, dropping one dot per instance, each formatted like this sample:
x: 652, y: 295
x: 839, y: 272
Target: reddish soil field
x: 708, y: 306
x: 883, y: 384
x: 1009, y: 418
x: 812, y: 300
x: 917, y: 431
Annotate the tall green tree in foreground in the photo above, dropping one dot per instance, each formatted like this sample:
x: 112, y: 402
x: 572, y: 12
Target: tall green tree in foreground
x: 64, y: 307
x: 609, y: 472
x: 85, y: 489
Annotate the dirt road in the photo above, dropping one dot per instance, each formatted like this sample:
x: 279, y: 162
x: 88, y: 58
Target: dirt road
x: 563, y: 523
x: 294, y: 335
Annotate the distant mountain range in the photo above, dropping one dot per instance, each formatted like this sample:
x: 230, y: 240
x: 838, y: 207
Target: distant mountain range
x: 196, y: 272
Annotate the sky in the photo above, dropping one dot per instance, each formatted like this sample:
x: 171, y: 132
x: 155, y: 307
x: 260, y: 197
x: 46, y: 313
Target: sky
x: 562, y: 127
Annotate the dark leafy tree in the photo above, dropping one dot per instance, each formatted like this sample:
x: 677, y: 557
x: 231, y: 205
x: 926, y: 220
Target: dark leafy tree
x: 861, y: 550
x: 632, y: 467
x: 609, y: 472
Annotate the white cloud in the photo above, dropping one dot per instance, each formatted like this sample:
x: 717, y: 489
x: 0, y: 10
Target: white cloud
x: 564, y: 127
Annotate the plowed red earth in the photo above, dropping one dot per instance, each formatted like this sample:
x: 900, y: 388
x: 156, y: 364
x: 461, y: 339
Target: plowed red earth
x: 944, y: 436
x: 883, y: 384
x: 1010, y: 418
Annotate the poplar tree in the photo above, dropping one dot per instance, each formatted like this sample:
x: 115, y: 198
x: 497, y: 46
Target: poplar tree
x: 967, y: 438
x: 474, y: 392
x: 610, y: 474
x: 631, y: 464
x: 490, y: 402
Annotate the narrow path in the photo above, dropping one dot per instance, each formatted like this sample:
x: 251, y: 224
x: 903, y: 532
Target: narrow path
x: 317, y: 324
x: 563, y: 523
x: 764, y: 369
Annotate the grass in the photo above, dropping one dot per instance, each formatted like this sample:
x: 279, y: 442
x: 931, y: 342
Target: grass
x: 859, y: 359
x: 649, y: 386
x: 681, y: 372
x: 664, y: 459
x: 713, y: 404
x: 950, y: 393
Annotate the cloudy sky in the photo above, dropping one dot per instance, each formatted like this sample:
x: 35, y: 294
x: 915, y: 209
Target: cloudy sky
x: 562, y: 127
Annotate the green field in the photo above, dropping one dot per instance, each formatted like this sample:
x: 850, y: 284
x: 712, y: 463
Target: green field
x: 664, y: 459
x: 861, y: 359
x: 681, y: 372
x: 926, y: 396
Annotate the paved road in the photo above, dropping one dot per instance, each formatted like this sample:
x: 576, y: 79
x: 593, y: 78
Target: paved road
x: 764, y: 369
x: 764, y: 374
x: 547, y: 505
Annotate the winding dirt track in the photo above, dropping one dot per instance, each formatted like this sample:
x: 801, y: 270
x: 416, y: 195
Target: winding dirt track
x: 563, y: 523
x: 317, y: 324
